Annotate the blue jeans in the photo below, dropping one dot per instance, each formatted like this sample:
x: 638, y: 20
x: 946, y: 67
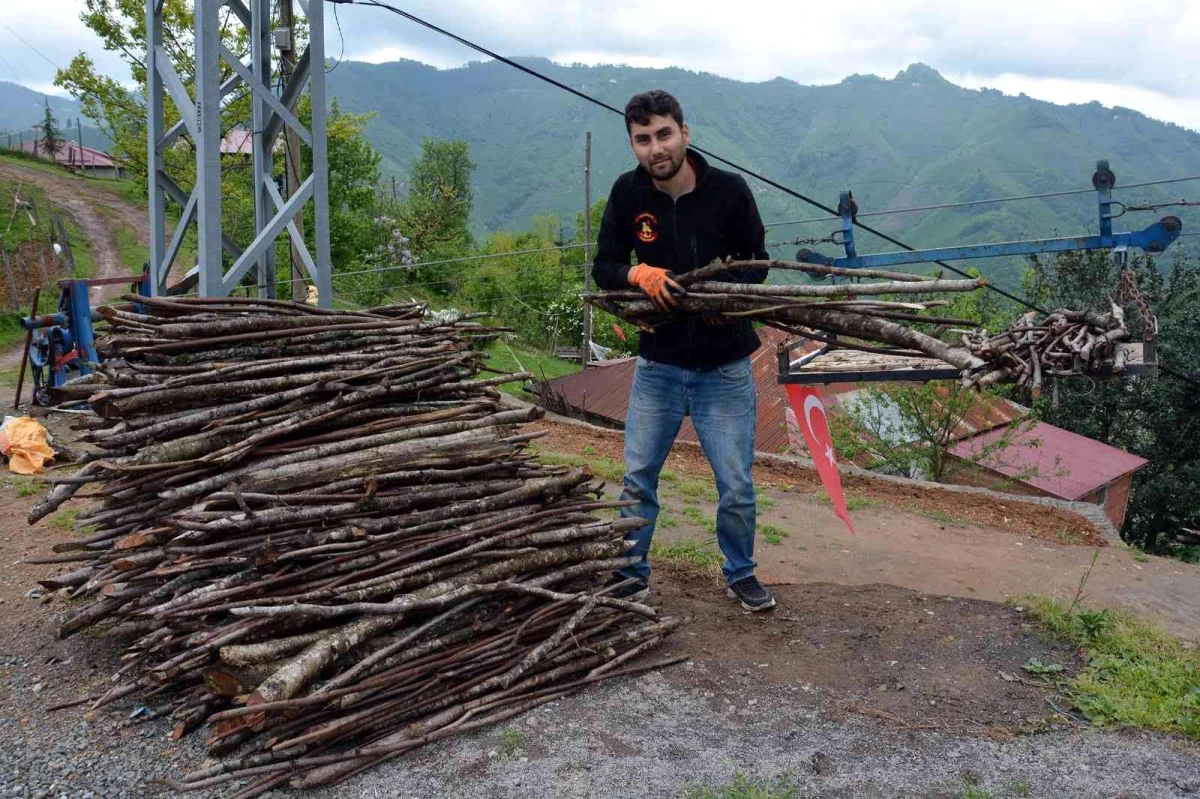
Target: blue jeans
x: 721, y: 402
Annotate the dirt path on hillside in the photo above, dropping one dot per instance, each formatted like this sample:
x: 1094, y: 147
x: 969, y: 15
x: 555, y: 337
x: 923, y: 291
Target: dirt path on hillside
x: 941, y: 542
x: 82, y: 201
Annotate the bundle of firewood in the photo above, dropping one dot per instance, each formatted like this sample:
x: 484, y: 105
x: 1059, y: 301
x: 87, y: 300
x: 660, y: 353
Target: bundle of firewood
x: 889, y: 312
x: 327, y: 538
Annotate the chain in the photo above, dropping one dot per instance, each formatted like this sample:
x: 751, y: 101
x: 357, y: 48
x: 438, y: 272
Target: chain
x: 1128, y: 292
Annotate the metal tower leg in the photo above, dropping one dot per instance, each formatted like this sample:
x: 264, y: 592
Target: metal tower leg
x: 201, y: 122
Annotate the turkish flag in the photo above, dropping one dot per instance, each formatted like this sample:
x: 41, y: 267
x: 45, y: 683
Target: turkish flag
x: 814, y: 424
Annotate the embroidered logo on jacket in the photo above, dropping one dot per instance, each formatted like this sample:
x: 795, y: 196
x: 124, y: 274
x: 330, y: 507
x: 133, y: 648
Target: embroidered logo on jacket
x: 645, y: 227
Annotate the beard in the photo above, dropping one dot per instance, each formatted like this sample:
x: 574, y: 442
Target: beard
x: 668, y: 168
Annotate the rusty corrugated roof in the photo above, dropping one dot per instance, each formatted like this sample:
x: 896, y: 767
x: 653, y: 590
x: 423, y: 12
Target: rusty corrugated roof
x: 70, y: 153
x: 603, y: 391
x: 1067, y: 464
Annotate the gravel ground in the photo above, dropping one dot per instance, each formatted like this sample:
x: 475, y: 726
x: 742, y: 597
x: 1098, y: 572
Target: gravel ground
x: 651, y: 737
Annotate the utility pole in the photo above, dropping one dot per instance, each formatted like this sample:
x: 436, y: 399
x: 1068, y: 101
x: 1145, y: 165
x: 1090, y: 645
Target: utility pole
x: 79, y: 133
x: 585, y: 357
x: 287, y: 65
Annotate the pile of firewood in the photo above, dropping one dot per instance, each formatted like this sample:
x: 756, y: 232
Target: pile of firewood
x: 327, y: 538
x: 890, y: 314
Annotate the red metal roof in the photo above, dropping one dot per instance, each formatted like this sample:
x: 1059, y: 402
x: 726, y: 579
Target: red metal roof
x: 603, y: 390
x: 1068, y: 465
x: 70, y: 153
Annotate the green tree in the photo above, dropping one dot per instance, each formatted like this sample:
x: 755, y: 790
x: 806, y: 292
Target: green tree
x: 51, y: 136
x: 438, y: 206
x: 353, y: 185
x: 910, y: 430
x: 1157, y: 418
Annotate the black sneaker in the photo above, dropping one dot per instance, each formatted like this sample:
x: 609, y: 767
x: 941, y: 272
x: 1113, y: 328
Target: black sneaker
x: 629, y: 588
x: 751, y: 594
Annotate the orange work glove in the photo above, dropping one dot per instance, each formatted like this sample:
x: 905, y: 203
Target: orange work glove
x: 657, y: 284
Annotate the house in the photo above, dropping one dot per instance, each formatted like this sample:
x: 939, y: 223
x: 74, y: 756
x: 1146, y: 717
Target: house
x: 240, y: 142
x: 86, y: 160
x: 1042, y: 460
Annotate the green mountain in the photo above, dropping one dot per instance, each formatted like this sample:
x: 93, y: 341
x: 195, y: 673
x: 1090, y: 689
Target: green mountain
x: 22, y: 108
x: 915, y: 140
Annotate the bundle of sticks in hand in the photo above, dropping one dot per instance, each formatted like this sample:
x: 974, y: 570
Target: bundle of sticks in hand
x: 890, y: 314
x: 323, y: 534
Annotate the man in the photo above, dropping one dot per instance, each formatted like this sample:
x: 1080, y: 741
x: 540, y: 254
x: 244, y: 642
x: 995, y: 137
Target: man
x: 677, y: 213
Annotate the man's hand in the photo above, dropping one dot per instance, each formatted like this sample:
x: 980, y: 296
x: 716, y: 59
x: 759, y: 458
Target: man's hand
x: 657, y: 284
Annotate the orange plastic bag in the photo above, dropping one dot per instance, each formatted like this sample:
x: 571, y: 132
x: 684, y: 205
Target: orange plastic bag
x: 26, y: 444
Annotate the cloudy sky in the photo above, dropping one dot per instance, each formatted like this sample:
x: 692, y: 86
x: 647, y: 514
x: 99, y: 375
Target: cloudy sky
x: 1142, y: 55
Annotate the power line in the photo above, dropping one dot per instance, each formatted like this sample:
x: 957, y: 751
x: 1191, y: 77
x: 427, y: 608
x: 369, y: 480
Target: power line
x: 30, y: 46
x: 969, y: 203
x: 936, y: 207
x: 341, y: 36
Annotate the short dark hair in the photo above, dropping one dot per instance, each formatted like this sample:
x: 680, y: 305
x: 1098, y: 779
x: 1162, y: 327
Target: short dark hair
x: 653, y: 103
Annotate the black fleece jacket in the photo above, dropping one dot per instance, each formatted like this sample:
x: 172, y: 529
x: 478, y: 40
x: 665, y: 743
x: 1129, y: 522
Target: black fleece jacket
x: 718, y: 218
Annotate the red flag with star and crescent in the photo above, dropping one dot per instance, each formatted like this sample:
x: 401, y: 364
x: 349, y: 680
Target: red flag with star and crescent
x: 814, y: 424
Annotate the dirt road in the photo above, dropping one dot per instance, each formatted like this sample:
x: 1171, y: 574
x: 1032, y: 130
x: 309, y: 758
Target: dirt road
x: 970, y: 546
x: 83, y: 200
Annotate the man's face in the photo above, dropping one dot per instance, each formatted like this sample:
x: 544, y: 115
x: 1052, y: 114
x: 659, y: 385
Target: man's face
x: 660, y: 146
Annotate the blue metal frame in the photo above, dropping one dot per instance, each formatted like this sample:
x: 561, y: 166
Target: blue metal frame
x: 1154, y: 239
x: 67, y: 330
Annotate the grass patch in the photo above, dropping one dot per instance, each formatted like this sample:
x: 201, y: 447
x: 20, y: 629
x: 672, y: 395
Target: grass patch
x: 511, y: 358
x: 512, y: 742
x: 1134, y: 675
x: 65, y: 519
x: 28, y: 488
x: 1068, y: 537
x: 700, y: 519
x: 605, y: 468
x: 81, y: 249
x: 852, y: 502
x: 744, y: 788
x: 974, y: 791
x: 21, y: 158
x: 772, y: 534
x: 939, y: 516
x: 131, y: 252
x: 763, y: 502
x: 667, y: 520
x: 697, y: 555
x: 11, y: 333
x: 690, y: 487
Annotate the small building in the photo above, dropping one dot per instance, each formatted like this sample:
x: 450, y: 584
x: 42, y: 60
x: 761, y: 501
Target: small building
x: 1042, y: 460
x: 85, y: 160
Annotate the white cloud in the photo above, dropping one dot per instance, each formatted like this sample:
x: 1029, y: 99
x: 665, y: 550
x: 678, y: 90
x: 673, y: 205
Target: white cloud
x: 37, y: 37
x: 1135, y: 54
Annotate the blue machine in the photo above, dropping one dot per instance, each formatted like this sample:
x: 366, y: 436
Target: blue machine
x: 61, y: 345
x: 804, y: 370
